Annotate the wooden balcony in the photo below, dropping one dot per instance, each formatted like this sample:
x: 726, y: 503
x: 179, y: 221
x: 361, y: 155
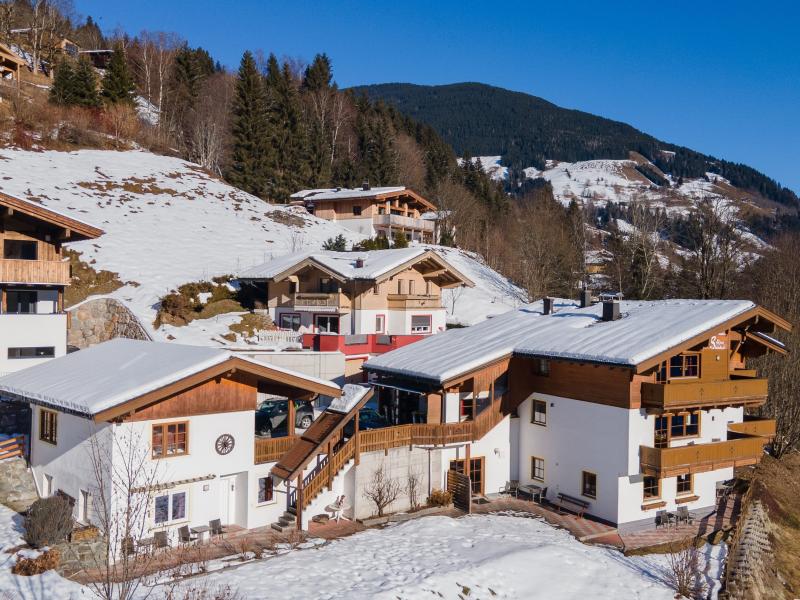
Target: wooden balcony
x: 407, y: 301
x: 701, y: 394
x: 754, y: 427
x: 698, y: 458
x: 52, y: 272
x: 322, y: 302
x: 403, y: 222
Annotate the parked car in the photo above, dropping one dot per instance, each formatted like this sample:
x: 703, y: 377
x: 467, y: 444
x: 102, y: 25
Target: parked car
x: 368, y: 418
x: 271, y: 416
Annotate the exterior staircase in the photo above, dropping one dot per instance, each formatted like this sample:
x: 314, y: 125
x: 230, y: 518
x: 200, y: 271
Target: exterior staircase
x: 286, y: 522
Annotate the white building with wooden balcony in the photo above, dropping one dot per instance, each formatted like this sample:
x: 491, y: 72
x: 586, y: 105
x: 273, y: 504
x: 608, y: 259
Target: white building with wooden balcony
x: 360, y: 303
x: 380, y: 211
x: 33, y: 275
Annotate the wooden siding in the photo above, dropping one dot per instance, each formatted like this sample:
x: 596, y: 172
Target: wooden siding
x: 34, y: 271
x: 215, y: 396
x: 698, y: 393
x: 698, y: 458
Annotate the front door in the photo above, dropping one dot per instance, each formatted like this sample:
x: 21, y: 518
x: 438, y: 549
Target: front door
x: 228, y: 499
x: 475, y: 472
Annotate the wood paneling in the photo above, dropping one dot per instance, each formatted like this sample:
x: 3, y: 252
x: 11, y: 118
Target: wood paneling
x: 698, y: 458
x: 34, y: 271
x: 698, y: 393
x: 214, y: 396
x: 434, y: 408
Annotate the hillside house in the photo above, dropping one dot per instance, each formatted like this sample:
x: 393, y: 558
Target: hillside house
x: 11, y: 64
x: 381, y: 211
x: 34, y: 273
x: 360, y: 303
x: 188, y: 412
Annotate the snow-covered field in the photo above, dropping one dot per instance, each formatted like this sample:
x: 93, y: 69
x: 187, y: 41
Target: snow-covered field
x: 481, y: 557
x: 167, y: 222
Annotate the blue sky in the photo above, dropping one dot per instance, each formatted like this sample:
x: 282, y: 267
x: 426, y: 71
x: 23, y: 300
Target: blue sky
x: 720, y: 77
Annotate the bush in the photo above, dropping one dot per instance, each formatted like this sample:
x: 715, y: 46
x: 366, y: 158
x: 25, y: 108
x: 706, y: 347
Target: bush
x: 49, y: 521
x: 440, y: 498
x: 36, y: 566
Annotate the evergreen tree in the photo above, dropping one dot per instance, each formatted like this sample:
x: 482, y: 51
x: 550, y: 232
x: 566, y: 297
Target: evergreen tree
x: 399, y: 240
x: 338, y: 244
x: 118, y: 84
x: 62, y: 91
x: 319, y: 95
x: 249, y: 131
x: 85, y: 84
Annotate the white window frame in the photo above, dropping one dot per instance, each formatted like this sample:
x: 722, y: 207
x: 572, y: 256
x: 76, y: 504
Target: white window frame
x: 417, y: 329
x: 170, y: 519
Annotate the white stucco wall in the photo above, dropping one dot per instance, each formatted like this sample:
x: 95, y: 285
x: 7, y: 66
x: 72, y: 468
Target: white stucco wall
x: 324, y: 365
x: 22, y: 331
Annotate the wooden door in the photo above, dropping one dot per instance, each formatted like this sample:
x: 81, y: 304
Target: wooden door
x: 476, y: 472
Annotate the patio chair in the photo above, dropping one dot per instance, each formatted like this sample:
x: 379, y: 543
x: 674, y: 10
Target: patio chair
x: 185, y: 536
x: 511, y: 488
x: 216, y: 528
x: 662, y: 519
x: 161, y: 540
x: 684, y: 515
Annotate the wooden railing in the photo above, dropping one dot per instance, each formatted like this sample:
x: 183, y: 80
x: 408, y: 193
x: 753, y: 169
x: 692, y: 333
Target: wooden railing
x: 323, y: 474
x: 754, y: 426
x: 697, y: 458
x: 698, y: 393
x: 322, y: 299
x: 12, y: 447
x: 404, y: 301
x: 403, y: 222
x: 271, y: 449
x: 14, y: 270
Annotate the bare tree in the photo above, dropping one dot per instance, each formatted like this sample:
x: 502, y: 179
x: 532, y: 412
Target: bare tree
x: 209, y: 126
x: 153, y: 54
x: 684, y: 571
x: 382, y: 490
x: 452, y: 295
x: 413, y: 485
x: 125, y: 478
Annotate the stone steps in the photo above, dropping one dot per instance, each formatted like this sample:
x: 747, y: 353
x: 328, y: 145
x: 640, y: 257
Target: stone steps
x: 286, y: 522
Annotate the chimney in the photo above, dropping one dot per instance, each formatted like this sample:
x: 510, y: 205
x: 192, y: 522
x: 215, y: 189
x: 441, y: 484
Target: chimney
x: 610, y: 310
x: 585, y: 298
x: 548, y: 304
x: 359, y: 263
x: 365, y: 185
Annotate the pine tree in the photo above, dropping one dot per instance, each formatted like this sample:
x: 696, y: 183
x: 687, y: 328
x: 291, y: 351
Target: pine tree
x: 249, y: 131
x: 118, y: 84
x: 337, y: 244
x: 399, y: 240
x: 319, y: 95
x: 62, y: 91
x: 85, y: 84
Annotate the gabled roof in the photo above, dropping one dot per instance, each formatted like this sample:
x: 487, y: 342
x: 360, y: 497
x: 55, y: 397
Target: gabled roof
x: 646, y: 332
x: 77, y: 230
x: 119, y: 376
x: 376, y: 265
x: 378, y: 193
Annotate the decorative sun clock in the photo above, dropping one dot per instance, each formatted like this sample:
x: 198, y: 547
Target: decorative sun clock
x: 224, y: 444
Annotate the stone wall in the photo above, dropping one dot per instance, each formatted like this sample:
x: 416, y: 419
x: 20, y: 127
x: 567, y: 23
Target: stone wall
x: 79, y: 555
x: 17, y: 489
x: 102, y: 319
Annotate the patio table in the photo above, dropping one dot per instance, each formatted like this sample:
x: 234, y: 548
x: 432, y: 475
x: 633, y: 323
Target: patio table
x: 201, y: 531
x: 146, y: 543
x: 532, y: 490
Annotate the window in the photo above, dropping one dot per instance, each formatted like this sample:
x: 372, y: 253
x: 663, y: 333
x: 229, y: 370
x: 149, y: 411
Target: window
x: 19, y: 249
x: 380, y: 323
x: 541, y: 366
x: 32, y: 352
x: 685, y: 425
x: 537, y: 468
x: 48, y: 426
x: 170, y: 439
x: 170, y: 507
x: 685, y: 484
x: 290, y: 321
x: 356, y: 210
x: 420, y: 324
x: 539, y: 412
x: 589, y: 484
x: 265, y: 491
x: 652, y: 488
x: 684, y: 365
x: 327, y: 323
x: 662, y: 432
x: 411, y: 283
x: 19, y: 302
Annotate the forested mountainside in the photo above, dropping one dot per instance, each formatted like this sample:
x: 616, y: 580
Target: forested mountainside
x: 527, y: 131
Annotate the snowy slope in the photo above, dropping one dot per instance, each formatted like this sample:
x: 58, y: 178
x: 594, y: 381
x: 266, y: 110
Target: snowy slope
x: 168, y: 222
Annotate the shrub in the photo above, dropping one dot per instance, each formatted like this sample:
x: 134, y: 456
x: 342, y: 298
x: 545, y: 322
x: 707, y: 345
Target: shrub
x: 440, y: 498
x: 49, y: 521
x: 36, y: 566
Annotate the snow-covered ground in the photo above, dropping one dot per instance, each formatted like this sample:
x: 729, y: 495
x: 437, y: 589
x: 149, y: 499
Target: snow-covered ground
x: 168, y: 222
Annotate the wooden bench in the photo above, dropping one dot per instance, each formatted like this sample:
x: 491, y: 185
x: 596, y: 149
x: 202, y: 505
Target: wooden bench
x: 581, y: 505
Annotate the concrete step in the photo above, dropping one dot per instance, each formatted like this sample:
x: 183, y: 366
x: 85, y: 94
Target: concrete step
x: 284, y: 528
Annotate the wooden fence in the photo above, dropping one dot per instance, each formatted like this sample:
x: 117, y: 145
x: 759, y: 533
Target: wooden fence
x: 460, y: 486
x: 12, y: 447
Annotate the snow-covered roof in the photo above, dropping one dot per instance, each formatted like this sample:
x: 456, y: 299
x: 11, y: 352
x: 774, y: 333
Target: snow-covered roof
x: 645, y: 329
x: 351, y: 395
x: 345, y: 193
x: 375, y: 263
x: 104, y: 376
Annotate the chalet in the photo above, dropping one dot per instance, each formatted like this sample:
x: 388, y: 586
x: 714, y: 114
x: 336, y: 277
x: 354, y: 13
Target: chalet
x: 380, y: 211
x: 33, y: 275
x: 360, y: 303
x: 182, y: 416
x: 617, y: 409
x: 11, y: 64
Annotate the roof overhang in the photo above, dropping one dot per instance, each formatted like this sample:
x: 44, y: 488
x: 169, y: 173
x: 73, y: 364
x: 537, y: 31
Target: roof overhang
x: 229, y: 367
x: 425, y: 203
x: 431, y: 266
x: 74, y: 230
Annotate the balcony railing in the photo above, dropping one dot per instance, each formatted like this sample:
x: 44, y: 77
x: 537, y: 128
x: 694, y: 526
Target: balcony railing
x: 271, y: 449
x: 315, y: 301
x: 755, y: 427
x: 405, y: 301
x: 54, y: 272
x: 688, y: 394
x: 403, y: 222
x: 741, y: 450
